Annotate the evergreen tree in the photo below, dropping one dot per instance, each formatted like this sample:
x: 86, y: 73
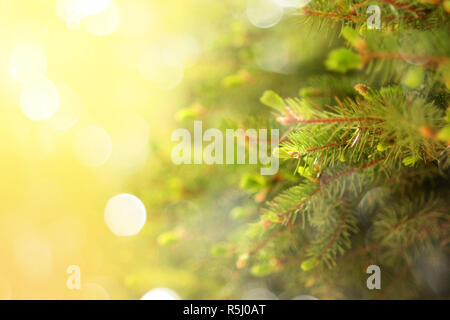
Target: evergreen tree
x: 374, y: 178
x: 364, y: 177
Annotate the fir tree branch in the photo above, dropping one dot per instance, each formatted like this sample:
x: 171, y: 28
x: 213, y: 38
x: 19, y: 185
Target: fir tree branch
x: 427, y: 60
x: 338, y: 120
x: 400, y: 276
x: 404, y: 6
x: 333, y: 239
x: 263, y: 243
x: 299, y: 155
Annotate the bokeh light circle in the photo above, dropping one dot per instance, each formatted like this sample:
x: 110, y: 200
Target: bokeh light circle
x: 125, y: 214
x: 103, y: 23
x: 92, y: 146
x: 414, y: 48
x: 91, y: 7
x: 161, y: 294
x: 272, y: 55
x: 27, y: 62
x: 137, y: 17
x: 153, y: 66
x: 292, y: 3
x: 73, y: 11
x: 259, y: 294
x: 93, y: 291
x: 39, y: 99
x: 130, y: 139
x: 68, y: 112
x: 181, y: 51
x: 264, y: 13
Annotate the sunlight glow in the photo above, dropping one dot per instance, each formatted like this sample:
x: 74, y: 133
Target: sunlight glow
x: 68, y: 112
x: 34, y: 258
x: 136, y: 18
x: 92, y: 146
x: 91, y: 7
x: 153, y: 66
x: 103, y: 23
x: 181, y: 51
x: 27, y: 62
x: 71, y: 10
x: 130, y: 141
x: 5, y: 289
x: 39, y: 100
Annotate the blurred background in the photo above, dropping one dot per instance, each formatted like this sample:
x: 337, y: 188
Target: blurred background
x: 90, y: 93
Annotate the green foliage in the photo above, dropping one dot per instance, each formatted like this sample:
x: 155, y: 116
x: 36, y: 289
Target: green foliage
x: 168, y: 238
x: 343, y: 60
x: 309, y: 264
x: 253, y: 183
x: 343, y: 144
x: 444, y: 133
x: 273, y: 100
x: 369, y: 116
x: 188, y: 114
x: 241, y: 212
x: 220, y: 250
x: 414, y: 78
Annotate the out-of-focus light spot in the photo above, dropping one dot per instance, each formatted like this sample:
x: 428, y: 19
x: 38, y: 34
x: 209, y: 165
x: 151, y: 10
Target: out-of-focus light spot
x: 153, y: 67
x: 92, y: 146
x: 264, y: 13
x: 73, y: 11
x: 136, y: 18
x: 27, y: 62
x: 371, y: 204
x: 70, y: 12
x: 292, y: 3
x: 39, y: 99
x: 131, y: 140
x: 68, y: 112
x: 34, y: 258
x: 125, y: 215
x: 161, y: 294
x: 272, y: 55
x: 91, y: 7
x: 134, y: 131
x: 103, y: 23
x: 182, y: 51
x: 32, y: 30
x: 412, y: 49
x: 259, y: 294
x: 93, y: 291
x: 431, y: 270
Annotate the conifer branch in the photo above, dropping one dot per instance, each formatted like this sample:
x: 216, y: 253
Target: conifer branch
x: 427, y: 60
x: 338, y: 120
